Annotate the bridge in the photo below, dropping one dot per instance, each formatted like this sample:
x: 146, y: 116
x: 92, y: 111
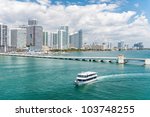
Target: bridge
x: 120, y: 59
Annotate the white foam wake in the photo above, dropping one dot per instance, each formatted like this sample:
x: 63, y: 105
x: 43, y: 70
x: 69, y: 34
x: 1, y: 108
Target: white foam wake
x: 123, y: 75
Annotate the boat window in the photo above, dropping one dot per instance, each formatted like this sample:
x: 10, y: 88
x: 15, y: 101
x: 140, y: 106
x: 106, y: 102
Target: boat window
x: 86, y: 79
x: 84, y: 76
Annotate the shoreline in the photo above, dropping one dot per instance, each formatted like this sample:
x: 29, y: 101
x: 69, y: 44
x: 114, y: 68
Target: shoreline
x: 53, y: 53
x: 63, y: 51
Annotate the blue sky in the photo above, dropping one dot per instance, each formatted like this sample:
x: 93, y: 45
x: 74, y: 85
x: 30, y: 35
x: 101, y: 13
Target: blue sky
x: 100, y: 20
x: 143, y: 5
x: 140, y: 6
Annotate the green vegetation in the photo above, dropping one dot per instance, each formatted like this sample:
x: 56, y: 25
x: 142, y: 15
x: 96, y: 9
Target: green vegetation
x: 69, y: 50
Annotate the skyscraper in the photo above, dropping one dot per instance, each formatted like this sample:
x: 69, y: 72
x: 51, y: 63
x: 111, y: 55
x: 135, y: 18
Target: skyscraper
x: 34, y: 37
x: 32, y: 22
x: 45, y: 38
x: 54, y: 40
x: 138, y: 46
x: 109, y: 46
x: 80, y: 38
x: 3, y: 37
x: 63, y: 37
x: 121, y: 45
x: 18, y: 38
x: 75, y: 40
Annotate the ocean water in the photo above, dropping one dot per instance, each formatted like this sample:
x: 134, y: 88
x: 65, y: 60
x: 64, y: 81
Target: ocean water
x: 23, y: 78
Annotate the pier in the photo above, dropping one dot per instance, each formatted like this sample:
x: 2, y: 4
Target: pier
x: 120, y: 59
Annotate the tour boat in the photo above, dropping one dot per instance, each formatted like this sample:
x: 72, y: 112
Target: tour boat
x: 85, y: 77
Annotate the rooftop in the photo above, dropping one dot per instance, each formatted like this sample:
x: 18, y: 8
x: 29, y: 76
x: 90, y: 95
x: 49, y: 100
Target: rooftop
x: 86, y: 73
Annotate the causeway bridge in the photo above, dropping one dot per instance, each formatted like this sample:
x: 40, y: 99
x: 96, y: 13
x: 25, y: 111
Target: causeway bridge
x: 120, y: 59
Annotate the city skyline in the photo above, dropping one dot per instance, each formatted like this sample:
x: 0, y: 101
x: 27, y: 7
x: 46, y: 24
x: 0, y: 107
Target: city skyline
x: 32, y: 37
x: 101, y: 20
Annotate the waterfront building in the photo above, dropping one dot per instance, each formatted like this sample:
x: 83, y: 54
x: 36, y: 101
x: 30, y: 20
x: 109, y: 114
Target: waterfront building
x: 45, y: 38
x: 86, y: 46
x: 138, y: 46
x: 101, y: 47
x: 3, y: 37
x: 45, y: 47
x: 126, y: 47
x: 54, y: 40
x: 34, y: 36
x: 109, y: 46
x: 32, y: 22
x: 121, y: 45
x: 75, y: 40
x: 63, y: 37
x: 49, y: 41
x: 104, y: 46
x: 96, y: 46
x: 18, y: 38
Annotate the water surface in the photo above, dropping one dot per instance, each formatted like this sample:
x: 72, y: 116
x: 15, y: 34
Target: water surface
x: 49, y: 79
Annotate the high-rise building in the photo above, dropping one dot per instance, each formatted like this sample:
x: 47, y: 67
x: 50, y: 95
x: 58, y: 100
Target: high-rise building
x: 126, y: 47
x: 63, y: 37
x: 32, y: 22
x: 138, y: 46
x: 49, y: 40
x: 3, y: 37
x: 54, y: 40
x: 45, y: 38
x: 109, y: 46
x: 80, y: 38
x: 18, y: 38
x: 75, y: 40
x: 34, y: 37
x: 104, y: 46
x: 121, y: 45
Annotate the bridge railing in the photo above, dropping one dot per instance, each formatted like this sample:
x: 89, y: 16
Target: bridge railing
x: 121, y: 59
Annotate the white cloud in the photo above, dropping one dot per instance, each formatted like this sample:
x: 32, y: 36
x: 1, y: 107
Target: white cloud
x: 99, y: 21
x: 99, y: 1
x: 104, y: 0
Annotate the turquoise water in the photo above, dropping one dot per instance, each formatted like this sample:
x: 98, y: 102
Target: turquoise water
x: 49, y: 79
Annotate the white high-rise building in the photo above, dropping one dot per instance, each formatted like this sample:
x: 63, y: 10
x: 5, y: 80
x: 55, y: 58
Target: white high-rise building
x: 63, y: 37
x: 121, y: 45
x: 104, y: 46
x: 109, y: 46
x: 54, y: 40
x: 45, y: 38
x: 75, y: 40
x: 18, y: 38
x: 3, y: 37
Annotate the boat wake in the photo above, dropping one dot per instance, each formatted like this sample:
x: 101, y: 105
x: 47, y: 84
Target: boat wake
x: 123, y: 75
x: 101, y: 78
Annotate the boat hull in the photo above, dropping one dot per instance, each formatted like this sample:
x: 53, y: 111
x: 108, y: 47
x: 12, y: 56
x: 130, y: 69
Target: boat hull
x: 79, y: 83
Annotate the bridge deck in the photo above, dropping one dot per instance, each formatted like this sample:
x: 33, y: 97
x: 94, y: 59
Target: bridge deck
x: 71, y: 57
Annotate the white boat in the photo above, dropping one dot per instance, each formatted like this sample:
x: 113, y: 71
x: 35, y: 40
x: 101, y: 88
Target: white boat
x: 85, y: 77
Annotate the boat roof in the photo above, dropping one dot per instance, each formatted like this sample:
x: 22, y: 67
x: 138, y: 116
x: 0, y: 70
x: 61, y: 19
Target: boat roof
x: 86, y: 73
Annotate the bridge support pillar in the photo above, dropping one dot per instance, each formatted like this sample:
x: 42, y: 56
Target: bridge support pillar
x: 147, y: 61
x: 121, y: 59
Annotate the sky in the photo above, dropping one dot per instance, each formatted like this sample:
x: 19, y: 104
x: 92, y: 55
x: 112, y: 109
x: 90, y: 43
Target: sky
x: 100, y: 20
